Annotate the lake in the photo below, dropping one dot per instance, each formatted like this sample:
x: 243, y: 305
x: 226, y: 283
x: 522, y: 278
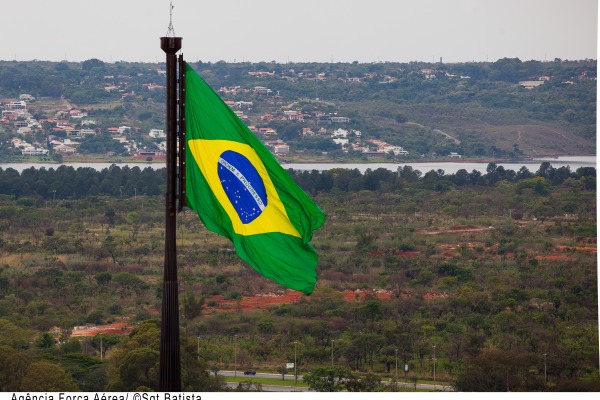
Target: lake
x: 449, y: 167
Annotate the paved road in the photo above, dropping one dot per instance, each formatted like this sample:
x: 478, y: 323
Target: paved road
x: 287, y: 385
x: 288, y: 377
x: 274, y: 388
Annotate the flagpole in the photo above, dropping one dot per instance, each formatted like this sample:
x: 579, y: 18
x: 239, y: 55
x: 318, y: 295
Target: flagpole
x: 170, y: 360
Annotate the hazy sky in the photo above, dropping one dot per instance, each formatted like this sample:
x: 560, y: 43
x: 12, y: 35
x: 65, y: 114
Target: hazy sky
x: 302, y: 30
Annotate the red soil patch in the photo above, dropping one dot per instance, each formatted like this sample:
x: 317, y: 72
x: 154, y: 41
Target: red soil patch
x: 462, y: 228
x: 592, y: 250
x: 446, y: 246
x: 554, y: 257
x: 456, y: 229
x: 260, y: 301
x: 120, y: 328
x: 358, y: 295
x: 407, y: 253
x: 263, y: 301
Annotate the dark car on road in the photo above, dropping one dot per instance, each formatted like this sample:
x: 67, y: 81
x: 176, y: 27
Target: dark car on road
x: 249, y: 372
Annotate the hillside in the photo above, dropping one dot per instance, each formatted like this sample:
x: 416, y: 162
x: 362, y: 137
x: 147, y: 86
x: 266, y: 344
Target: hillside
x: 503, y: 109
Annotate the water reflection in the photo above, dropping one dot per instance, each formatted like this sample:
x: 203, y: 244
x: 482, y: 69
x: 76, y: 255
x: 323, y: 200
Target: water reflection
x: 449, y: 167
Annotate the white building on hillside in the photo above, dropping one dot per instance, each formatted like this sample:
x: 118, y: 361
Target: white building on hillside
x: 86, y: 131
x: 17, y: 105
x: 157, y: 134
x: 34, y: 151
x: 340, y: 133
x: 281, y: 149
x: 397, y: 150
x: 340, y: 141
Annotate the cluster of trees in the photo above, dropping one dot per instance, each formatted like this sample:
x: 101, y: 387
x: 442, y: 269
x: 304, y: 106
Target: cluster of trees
x: 510, y: 70
x: 17, y: 78
x: 384, y: 180
x: 133, y: 364
x: 79, y: 82
x: 66, y: 182
x: 101, y: 144
x: 129, y: 182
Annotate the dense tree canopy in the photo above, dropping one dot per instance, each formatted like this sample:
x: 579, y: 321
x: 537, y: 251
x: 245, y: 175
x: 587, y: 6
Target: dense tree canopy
x: 125, y: 181
x: 135, y: 364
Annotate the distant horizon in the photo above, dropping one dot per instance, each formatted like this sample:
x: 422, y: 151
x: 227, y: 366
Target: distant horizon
x: 302, y: 62
x: 319, y: 31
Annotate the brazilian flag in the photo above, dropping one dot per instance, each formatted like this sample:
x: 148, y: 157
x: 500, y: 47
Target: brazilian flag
x: 241, y: 192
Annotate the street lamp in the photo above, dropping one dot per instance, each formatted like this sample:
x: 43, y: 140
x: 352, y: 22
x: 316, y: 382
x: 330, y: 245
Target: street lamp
x: 235, y: 355
x: 198, y: 348
x: 396, y: 366
x: 295, y: 371
x: 434, y: 360
x: 332, y: 340
x: 545, y: 373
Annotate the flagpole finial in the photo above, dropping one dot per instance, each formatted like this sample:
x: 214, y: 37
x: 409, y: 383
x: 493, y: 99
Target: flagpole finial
x: 170, y: 29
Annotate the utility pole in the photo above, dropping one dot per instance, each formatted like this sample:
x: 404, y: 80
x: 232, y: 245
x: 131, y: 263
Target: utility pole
x: 545, y: 371
x: 332, y: 340
x: 295, y: 370
x: 434, y: 387
x: 235, y: 356
x: 396, y: 366
x: 198, y: 347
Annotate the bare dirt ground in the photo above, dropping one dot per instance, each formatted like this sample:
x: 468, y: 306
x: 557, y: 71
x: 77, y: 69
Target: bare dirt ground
x: 263, y: 301
x: 456, y: 229
x: 119, y: 328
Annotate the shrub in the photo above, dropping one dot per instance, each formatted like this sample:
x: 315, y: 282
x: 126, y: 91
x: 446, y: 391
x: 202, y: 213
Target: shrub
x: 233, y: 295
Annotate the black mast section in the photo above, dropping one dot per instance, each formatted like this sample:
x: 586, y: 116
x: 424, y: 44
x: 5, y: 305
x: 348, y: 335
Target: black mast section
x: 181, y: 135
x: 170, y: 360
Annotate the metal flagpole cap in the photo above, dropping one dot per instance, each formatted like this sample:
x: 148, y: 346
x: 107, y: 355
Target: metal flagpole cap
x: 170, y: 44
